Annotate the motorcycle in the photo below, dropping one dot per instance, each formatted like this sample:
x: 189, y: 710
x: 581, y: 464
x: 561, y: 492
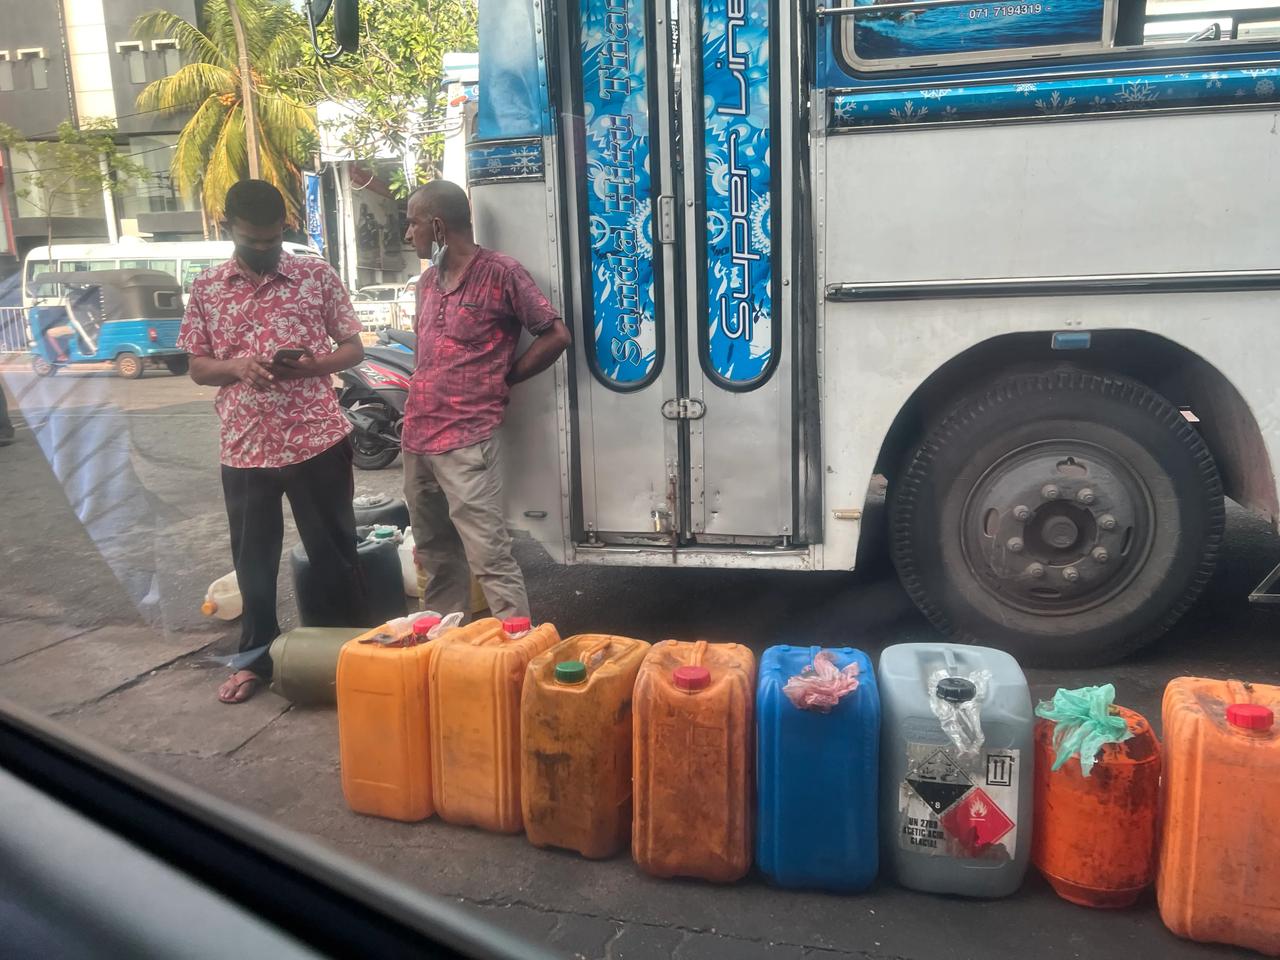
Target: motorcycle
x: 373, y: 395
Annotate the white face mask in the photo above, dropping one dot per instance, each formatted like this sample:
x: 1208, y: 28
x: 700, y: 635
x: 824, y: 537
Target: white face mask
x: 440, y: 248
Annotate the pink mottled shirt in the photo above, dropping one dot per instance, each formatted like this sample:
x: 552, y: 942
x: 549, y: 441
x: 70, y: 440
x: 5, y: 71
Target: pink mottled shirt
x: 301, y: 304
x: 467, y: 339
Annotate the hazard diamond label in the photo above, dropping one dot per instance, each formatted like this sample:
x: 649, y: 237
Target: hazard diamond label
x: 976, y: 822
x: 938, y: 781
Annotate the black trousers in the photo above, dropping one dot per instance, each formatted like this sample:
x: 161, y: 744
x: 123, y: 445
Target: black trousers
x: 319, y: 492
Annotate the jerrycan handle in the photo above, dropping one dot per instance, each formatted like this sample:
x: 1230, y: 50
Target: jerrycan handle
x: 595, y: 654
x: 699, y: 651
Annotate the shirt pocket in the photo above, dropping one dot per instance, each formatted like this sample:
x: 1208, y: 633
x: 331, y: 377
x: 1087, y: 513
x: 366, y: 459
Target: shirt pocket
x: 468, y: 321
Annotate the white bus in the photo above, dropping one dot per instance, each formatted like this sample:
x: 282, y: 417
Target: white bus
x: 1017, y: 260
x: 183, y: 260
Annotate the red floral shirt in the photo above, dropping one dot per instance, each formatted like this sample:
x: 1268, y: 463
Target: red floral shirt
x: 301, y: 304
x: 467, y: 339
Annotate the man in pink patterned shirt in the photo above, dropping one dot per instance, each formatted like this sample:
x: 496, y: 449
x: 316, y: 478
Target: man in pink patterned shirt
x: 473, y: 305
x: 261, y: 328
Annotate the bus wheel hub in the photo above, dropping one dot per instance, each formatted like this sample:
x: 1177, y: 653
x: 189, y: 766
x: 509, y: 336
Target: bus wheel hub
x: 1055, y: 526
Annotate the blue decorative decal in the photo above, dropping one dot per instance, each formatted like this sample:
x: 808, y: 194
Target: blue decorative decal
x: 1057, y: 96
x: 511, y: 160
x: 615, y: 110
x: 737, y: 131
x: 1013, y: 25
x: 315, y: 221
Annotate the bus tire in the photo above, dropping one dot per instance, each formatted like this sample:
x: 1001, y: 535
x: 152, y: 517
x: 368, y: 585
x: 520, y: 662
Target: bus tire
x: 129, y: 365
x: 178, y: 366
x: 42, y: 367
x: 1066, y: 517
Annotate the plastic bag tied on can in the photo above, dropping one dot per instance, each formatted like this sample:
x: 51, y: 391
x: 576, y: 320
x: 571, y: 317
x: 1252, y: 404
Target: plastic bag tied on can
x: 1083, y: 724
x: 956, y: 700
x: 820, y: 685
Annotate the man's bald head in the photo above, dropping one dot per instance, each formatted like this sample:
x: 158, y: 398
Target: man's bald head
x: 445, y: 200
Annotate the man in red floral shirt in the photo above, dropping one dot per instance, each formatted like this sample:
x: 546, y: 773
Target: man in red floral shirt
x: 283, y: 433
x: 473, y: 304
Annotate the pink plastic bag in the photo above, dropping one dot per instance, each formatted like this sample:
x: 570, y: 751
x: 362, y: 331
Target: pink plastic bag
x: 820, y: 685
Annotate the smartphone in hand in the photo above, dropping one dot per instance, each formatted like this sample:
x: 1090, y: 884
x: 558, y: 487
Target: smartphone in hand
x: 291, y: 354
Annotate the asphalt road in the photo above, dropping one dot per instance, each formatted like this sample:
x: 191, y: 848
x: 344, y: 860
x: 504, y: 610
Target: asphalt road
x: 114, y: 526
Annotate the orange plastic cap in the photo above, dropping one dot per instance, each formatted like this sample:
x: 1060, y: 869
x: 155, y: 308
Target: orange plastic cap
x: 1250, y: 716
x: 208, y: 608
x: 691, y: 678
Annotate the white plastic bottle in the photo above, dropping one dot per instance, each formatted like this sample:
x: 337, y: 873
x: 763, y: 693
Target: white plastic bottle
x: 408, y: 569
x: 222, y: 599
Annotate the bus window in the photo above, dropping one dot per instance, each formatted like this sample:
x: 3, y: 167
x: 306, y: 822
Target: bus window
x: 35, y: 267
x: 164, y: 266
x: 192, y: 269
x: 981, y: 32
x: 81, y: 266
x: 1200, y: 21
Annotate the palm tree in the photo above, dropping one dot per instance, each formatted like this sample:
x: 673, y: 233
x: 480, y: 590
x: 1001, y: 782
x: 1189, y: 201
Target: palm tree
x: 210, y: 154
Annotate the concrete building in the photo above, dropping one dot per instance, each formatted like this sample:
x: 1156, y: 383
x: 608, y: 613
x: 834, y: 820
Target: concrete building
x: 78, y: 60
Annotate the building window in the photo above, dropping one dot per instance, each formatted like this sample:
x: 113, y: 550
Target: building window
x: 169, y: 55
x: 6, y: 72
x: 39, y: 67
x: 135, y: 60
x: 156, y: 193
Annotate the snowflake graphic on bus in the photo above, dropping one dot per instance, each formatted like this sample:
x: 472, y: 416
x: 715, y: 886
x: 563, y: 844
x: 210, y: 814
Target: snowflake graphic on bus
x: 737, y: 135
x: 619, y: 190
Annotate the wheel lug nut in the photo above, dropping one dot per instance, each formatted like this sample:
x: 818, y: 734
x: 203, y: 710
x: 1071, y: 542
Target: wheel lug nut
x: 1014, y: 544
x: 1086, y: 496
x: 1100, y: 554
x: 1021, y: 513
x: 1070, y: 574
x: 1035, y: 571
x: 1049, y: 491
x: 1107, y: 522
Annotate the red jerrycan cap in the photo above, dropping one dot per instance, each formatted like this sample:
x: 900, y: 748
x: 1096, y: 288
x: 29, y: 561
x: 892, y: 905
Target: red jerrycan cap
x: 691, y: 678
x: 514, y: 625
x: 1250, y: 716
x: 424, y: 625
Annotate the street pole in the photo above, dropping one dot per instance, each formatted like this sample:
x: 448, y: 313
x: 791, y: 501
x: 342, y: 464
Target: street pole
x: 246, y: 92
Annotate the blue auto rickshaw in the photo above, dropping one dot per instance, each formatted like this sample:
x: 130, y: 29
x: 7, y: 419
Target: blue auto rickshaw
x: 126, y: 317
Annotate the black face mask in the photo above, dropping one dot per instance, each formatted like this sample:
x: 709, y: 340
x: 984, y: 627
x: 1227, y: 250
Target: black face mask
x: 260, y: 262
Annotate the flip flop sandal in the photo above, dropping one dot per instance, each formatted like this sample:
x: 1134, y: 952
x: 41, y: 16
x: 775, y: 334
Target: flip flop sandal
x: 242, y: 691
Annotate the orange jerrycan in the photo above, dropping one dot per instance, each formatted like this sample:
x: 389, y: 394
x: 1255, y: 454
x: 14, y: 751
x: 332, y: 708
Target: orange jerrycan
x: 383, y: 744
x: 1219, y: 875
x: 575, y: 730
x: 477, y: 673
x: 1096, y: 814
x: 694, y: 741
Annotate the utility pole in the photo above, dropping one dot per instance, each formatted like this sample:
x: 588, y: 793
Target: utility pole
x: 246, y: 92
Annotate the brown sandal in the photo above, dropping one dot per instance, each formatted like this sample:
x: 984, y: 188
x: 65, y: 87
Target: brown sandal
x: 244, y: 684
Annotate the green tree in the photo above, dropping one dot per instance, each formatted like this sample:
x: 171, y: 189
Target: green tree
x: 394, y: 81
x: 210, y: 154
x: 73, y: 169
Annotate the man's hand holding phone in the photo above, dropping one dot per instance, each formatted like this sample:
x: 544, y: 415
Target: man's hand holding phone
x: 255, y: 371
x: 294, y: 363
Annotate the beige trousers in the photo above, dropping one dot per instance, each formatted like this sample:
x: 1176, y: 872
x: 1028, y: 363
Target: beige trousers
x: 455, y: 507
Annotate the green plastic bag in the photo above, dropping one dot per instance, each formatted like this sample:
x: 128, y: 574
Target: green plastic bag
x: 1084, y: 724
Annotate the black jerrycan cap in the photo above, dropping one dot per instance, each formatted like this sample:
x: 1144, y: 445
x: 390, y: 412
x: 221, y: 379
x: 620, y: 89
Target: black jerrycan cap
x: 956, y: 690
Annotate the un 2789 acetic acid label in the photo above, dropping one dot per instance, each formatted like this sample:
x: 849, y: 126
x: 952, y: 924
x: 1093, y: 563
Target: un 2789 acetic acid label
x: 964, y: 807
